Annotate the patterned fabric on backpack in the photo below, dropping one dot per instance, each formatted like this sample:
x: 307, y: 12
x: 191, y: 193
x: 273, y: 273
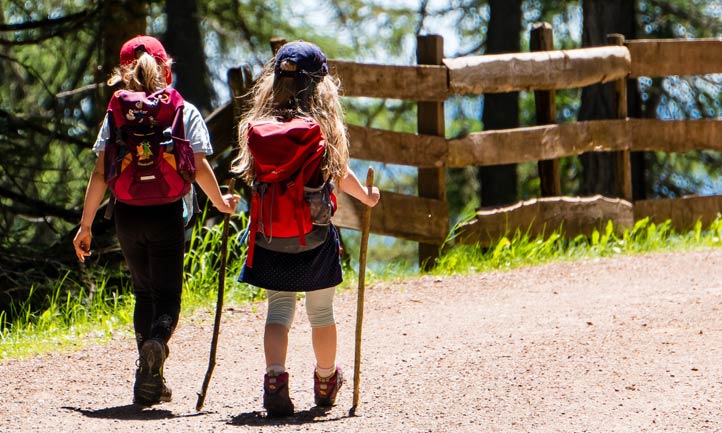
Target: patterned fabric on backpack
x: 148, y: 161
x: 291, y: 205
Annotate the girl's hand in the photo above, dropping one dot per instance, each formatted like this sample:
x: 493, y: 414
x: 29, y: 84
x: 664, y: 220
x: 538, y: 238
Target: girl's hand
x: 230, y: 202
x: 81, y: 242
x: 372, y: 197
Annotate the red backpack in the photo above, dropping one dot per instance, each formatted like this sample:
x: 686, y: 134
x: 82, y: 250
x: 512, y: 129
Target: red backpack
x: 148, y: 161
x: 291, y: 205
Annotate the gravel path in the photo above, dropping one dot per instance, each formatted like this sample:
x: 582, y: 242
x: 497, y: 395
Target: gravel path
x: 629, y: 344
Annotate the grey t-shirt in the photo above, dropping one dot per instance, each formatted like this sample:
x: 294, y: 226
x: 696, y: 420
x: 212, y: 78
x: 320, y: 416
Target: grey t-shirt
x: 195, y: 128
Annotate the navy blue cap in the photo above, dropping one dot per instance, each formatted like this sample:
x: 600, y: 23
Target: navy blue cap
x: 307, y: 58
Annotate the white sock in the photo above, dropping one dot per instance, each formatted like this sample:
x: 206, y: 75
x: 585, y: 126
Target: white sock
x: 325, y: 372
x: 275, y: 370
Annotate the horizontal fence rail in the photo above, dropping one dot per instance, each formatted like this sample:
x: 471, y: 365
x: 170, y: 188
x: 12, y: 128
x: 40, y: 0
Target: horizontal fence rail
x: 582, y: 215
x: 535, y: 143
x: 542, y: 70
x: 577, y: 215
x: 400, y: 148
x: 664, y: 57
x: 415, y: 83
x: 404, y: 216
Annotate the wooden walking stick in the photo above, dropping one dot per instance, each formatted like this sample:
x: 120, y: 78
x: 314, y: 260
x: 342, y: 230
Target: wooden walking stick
x: 365, y: 228
x: 219, y: 304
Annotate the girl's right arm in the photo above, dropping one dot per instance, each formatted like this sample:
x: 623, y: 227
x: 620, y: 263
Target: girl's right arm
x: 353, y: 187
x: 209, y: 184
x: 93, y: 196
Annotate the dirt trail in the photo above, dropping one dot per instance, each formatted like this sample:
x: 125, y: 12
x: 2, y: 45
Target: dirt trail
x: 631, y: 344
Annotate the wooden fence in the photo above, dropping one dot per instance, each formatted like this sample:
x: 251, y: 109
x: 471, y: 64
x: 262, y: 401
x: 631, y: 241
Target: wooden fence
x: 425, y: 218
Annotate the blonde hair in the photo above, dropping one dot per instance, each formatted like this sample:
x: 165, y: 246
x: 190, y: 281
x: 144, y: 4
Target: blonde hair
x: 305, y: 96
x: 145, y: 74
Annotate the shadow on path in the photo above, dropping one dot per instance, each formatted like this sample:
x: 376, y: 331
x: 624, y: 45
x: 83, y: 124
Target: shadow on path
x: 313, y: 415
x: 129, y: 412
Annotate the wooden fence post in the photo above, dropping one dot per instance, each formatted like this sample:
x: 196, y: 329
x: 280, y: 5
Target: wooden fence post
x: 277, y: 43
x: 430, y: 120
x: 542, y: 39
x: 623, y: 166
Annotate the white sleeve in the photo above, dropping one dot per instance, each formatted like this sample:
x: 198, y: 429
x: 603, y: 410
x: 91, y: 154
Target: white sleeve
x: 196, y: 129
x: 103, y: 136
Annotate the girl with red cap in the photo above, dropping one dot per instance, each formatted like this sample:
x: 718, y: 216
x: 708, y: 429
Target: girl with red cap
x: 296, y: 85
x: 151, y: 236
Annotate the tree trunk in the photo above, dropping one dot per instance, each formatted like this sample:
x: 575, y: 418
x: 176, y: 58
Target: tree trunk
x: 119, y: 21
x: 602, y: 17
x: 184, y: 43
x: 501, y: 110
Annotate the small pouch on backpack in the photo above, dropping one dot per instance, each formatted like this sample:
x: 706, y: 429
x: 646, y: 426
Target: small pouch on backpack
x: 190, y: 205
x: 319, y: 203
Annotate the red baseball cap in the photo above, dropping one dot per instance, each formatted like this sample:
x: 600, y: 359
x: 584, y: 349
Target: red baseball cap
x: 150, y: 45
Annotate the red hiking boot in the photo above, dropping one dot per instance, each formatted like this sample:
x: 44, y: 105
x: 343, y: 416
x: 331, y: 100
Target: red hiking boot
x: 325, y: 389
x: 276, y: 400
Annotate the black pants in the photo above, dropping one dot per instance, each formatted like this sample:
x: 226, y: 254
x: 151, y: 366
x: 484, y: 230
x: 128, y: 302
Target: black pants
x: 152, y: 240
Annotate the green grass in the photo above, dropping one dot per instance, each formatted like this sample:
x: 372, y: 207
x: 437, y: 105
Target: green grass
x: 68, y: 319
x: 524, y: 250
x: 74, y: 315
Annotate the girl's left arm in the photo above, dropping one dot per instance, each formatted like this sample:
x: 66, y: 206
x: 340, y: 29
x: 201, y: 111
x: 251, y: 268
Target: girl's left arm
x: 353, y: 187
x: 208, y: 183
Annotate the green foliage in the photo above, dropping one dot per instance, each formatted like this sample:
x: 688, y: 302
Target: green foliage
x: 202, y: 264
x: 521, y: 249
x: 70, y: 317
x: 97, y: 308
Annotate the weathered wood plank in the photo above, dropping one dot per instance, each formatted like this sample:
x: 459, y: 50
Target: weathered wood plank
x: 684, y: 212
x: 509, y: 146
x: 664, y: 57
x: 415, y: 83
x: 577, y: 215
x: 547, y: 70
x: 397, y: 147
x: 675, y: 135
x: 402, y: 216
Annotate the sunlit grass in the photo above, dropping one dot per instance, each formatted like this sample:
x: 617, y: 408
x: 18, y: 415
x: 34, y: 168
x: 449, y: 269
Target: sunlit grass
x: 524, y: 250
x: 69, y: 320
x: 74, y: 315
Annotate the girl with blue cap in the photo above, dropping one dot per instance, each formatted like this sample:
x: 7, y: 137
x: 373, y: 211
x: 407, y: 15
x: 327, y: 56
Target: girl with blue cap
x: 297, y: 85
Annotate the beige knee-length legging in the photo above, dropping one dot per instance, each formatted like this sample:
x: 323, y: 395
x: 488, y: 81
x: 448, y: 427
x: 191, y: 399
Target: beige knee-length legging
x: 319, y: 307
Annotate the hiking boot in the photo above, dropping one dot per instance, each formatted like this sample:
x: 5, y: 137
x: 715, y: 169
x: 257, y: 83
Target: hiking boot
x: 149, y: 387
x: 166, y: 394
x: 325, y: 389
x: 276, y: 400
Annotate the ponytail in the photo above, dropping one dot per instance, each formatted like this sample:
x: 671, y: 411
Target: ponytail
x: 145, y: 74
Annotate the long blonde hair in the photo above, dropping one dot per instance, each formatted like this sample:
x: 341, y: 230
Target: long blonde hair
x: 145, y: 74
x: 313, y: 97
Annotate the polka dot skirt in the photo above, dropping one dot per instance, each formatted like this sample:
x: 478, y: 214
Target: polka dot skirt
x: 316, y: 269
